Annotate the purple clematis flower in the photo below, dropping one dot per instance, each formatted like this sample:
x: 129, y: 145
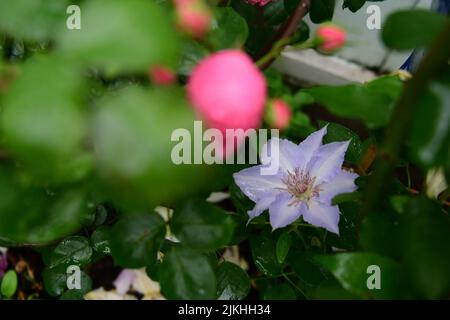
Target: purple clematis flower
x: 124, y: 281
x: 309, y: 176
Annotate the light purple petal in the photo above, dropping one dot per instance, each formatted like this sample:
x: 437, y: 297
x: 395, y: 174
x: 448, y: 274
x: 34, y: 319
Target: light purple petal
x: 327, y: 162
x: 254, y: 185
x: 343, y: 182
x: 324, y: 216
x: 124, y: 281
x: 282, y: 213
x: 308, y: 147
x: 262, y: 204
x: 286, y: 153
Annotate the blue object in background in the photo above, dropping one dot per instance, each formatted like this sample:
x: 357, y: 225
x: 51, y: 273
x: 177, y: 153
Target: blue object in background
x: 441, y: 6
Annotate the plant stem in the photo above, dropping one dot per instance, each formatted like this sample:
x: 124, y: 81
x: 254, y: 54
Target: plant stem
x: 408, y: 176
x: 283, y: 34
x: 397, y: 131
x: 285, y: 276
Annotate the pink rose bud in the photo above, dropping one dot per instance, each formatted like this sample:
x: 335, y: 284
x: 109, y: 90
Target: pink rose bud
x: 162, y: 76
x: 260, y: 3
x: 193, y: 17
x: 279, y: 114
x: 330, y: 38
x: 228, y: 91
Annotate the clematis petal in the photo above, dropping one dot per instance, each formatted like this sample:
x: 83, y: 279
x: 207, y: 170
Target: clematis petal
x: 282, y: 212
x: 324, y: 216
x: 327, y: 162
x: 343, y: 182
x: 262, y: 204
x: 285, y: 151
x: 254, y: 185
x: 124, y: 281
x: 308, y: 147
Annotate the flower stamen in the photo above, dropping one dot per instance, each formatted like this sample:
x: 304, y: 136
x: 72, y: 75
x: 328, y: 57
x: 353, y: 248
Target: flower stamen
x: 301, y: 186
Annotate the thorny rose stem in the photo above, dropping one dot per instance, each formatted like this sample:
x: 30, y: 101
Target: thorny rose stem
x: 396, y: 133
x: 286, y: 31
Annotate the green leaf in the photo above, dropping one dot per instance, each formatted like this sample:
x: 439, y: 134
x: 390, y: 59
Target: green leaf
x: 101, y: 214
x: 152, y: 270
x: 275, y: 83
x: 32, y: 216
x: 45, y: 252
x: 430, y: 133
x: 193, y: 53
x: 240, y: 201
x: 337, y: 132
x: 410, y: 29
x: 37, y: 20
x: 310, y: 273
x: 348, y: 227
x: 233, y: 283
x: 74, y: 250
x: 301, y: 99
x: 199, y: 224
x: 136, y: 239
x: 322, y: 10
x: 399, y: 203
x: 100, y: 240
x: 46, y: 127
x: 281, y: 291
x: 301, y: 34
x: 140, y: 36
x: 228, y: 30
x: 353, y: 5
x: 55, y: 280
x: 132, y: 138
x: 259, y: 35
x: 246, y: 10
x: 63, y: 216
x: 241, y: 231
x: 283, y: 245
x: 72, y: 295
x: 188, y: 275
x: 371, y: 102
x: 351, y: 270
x: 380, y: 234
x: 426, y: 247
x: 86, y: 283
x: 264, y: 255
x: 9, y: 284
x: 332, y: 290
x: 275, y: 13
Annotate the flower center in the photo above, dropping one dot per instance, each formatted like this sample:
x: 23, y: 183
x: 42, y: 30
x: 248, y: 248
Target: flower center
x: 301, y: 186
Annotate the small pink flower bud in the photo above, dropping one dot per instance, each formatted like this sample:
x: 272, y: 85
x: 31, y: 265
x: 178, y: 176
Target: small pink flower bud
x: 193, y: 17
x: 330, y: 38
x: 279, y: 114
x: 228, y: 91
x: 162, y: 76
